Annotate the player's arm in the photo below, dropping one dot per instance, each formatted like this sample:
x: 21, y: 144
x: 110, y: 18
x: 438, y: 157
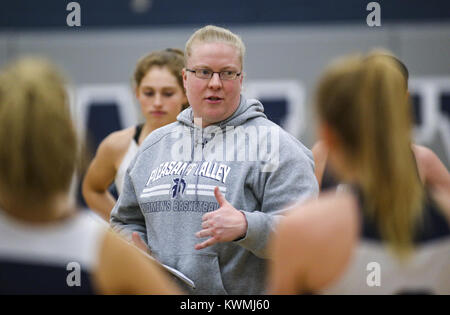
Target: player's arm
x: 123, y: 269
x: 442, y: 198
x: 320, y: 154
x: 433, y: 172
x: 285, y: 267
x: 99, y: 176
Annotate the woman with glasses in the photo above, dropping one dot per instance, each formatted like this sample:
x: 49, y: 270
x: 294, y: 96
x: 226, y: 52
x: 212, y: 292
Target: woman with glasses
x: 46, y: 245
x: 384, y: 234
x: 158, y: 87
x: 204, y: 192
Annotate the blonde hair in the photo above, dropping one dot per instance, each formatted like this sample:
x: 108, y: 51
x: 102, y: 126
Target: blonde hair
x: 214, y: 34
x: 171, y: 58
x: 364, y: 100
x: 38, y: 154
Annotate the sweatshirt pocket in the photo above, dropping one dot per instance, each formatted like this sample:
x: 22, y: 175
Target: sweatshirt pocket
x: 202, y: 268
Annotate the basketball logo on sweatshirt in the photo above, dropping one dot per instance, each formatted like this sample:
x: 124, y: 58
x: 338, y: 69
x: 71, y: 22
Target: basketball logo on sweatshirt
x: 179, y: 187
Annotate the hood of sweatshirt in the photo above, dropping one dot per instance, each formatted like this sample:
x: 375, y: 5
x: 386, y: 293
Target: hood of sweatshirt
x: 247, y: 109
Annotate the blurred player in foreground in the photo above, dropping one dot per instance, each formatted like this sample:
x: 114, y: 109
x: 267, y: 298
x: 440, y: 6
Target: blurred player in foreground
x: 432, y: 171
x: 383, y: 234
x: 46, y: 245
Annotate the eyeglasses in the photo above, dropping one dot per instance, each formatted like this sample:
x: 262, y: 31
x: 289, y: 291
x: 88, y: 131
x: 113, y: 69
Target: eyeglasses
x: 208, y: 74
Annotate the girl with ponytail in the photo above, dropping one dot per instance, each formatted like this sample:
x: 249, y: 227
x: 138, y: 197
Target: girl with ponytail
x: 384, y: 216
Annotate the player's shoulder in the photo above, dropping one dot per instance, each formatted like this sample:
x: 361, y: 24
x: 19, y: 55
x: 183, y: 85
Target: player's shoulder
x: 117, y: 142
x: 320, y: 154
x: 319, y: 148
x: 319, y: 220
x: 426, y: 161
x: 424, y: 154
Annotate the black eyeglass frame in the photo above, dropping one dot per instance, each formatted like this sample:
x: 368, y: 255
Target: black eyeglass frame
x: 237, y: 74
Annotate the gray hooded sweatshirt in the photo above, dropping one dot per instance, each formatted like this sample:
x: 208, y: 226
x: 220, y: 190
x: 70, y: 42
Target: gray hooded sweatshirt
x: 259, y: 168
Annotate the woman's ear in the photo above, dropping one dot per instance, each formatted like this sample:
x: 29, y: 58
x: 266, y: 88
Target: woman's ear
x: 136, y: 92
x: 241, y: 79
x: 184, y: 75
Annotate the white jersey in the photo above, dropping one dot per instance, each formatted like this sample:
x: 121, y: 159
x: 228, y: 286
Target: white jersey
x: 375, y: 270
x: 129, y: 155
x: 54, y: 258
x: 120, y: 175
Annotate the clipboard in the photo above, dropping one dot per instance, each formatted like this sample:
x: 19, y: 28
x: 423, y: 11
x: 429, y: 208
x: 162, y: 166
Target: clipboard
x: 173, y: 271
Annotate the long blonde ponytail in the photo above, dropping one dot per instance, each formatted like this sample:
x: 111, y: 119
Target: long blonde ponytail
x: 364, y: 100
